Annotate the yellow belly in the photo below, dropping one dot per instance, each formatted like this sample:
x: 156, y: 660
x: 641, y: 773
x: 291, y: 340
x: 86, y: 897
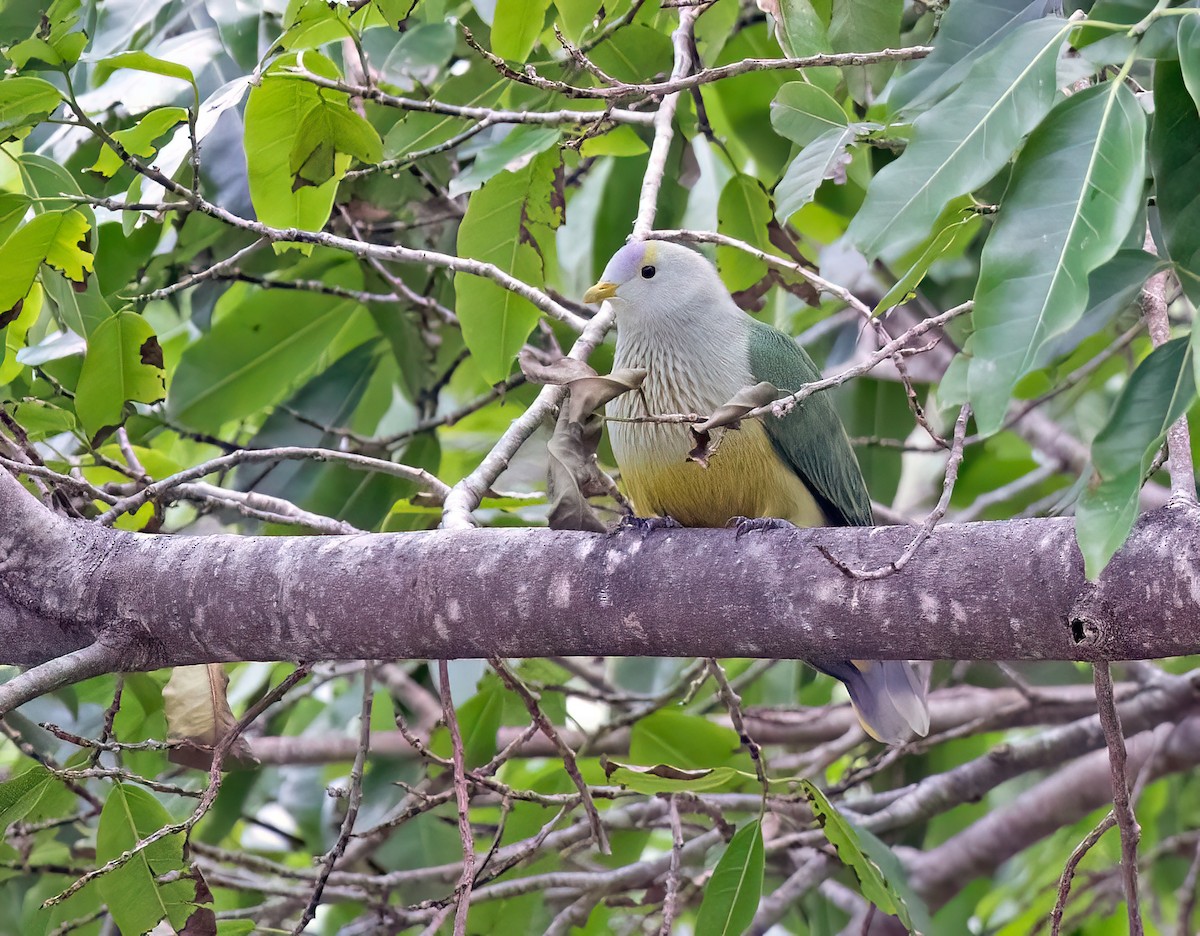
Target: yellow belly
x: 744, y: 478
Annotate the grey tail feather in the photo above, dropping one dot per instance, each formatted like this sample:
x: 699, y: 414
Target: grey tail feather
x: 888, y: 696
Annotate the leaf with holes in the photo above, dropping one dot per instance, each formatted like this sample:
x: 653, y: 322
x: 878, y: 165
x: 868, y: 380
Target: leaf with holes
x: 124, y: 362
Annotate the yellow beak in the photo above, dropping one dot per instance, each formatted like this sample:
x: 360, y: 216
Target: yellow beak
x: 601, y: 291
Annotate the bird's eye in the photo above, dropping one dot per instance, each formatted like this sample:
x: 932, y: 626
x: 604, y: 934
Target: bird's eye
x: 648, y: 272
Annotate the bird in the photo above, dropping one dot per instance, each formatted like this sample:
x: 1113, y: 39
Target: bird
x: 676, y: 319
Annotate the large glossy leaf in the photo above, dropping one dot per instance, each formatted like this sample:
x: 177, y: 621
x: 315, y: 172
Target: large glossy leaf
x: 1075, y: 192
x: 124, y: 362
x: 266, y: 343
x: 800, y: 29
x: 135, y: 899
x: 968, y: 29
x: 823, y: 158
x: 501, y: 226
x: 686, y: 741
x: 1160, y: 390
x: 25, y: 102
x: 732, y: 894
x: 744, y: 211
x: 1188, y: 38
x: 1175, y: 159
x: 516, y: 26
x: 963, y: 141
x: 275, y: 115
x: 855, y: 25
x: 802, y: 112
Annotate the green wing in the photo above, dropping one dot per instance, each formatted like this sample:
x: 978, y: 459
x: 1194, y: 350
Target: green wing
x: 811, y: 438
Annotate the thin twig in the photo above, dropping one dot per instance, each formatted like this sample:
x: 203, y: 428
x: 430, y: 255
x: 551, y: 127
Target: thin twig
x: 1179, y: 445
x: 1110, y: 721
x: 285, y: 453
x: 353, y: 802
x: 462, y: 794
x: 931, y: 521
x: 564, y: 751
x: 1068, y: 875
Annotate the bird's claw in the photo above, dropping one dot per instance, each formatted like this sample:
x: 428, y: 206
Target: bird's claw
x: 645, y: 525
x: 744, y: 525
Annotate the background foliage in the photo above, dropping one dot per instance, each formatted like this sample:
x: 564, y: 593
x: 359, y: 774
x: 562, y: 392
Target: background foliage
x: 228, y: 227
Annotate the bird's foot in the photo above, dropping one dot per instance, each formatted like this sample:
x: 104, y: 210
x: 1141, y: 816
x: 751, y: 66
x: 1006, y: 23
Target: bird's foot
x: 645, y: 525
x: 744, y: 525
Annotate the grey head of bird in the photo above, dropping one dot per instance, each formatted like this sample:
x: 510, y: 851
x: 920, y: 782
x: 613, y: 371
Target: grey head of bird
x: 654, y: 282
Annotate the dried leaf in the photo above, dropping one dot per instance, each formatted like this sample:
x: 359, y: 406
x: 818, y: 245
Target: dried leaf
x: 742, y: 402
x: 728, y: 415
x: 572, y: 471
x: 198, y: 713
x: 590, y: 393
x: 559, y: 373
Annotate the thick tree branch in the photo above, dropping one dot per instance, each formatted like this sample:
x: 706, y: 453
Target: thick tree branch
x: 1004, y: 590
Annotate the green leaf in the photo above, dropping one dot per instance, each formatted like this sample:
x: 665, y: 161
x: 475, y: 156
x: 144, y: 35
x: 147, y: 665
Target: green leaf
x: 308, y: 24
x: 744, y: 212
x: 967, y: 30
x: 124, y: 361
x: 907, y: 284
x: 846, y: 839
x: 262, y: 344
x: 516, y: 27
x: 479, y: 720
x: 1104, y: 516
x: 732, y: 894
x: 24, y: 103
x: 502, y: 225
x: 801, y: 32
x: 325, y: 130
x: 138, y: 139
x: 135, y: 900
x: 684, y: 741
x: 56, y: 238
x: 1175, y: 160
x: 145, y: 62
x: 1188, y: 38
x: 14, y: 334
x: 865, y: 24
x: 21, y: 793
x: 275, y: 114
x: 823, y: 158
x: 802, y: 112
x: 1161, y: 389
x: 1075, y: 191
x: 522, y: 141
x: 51, y: 40
x: 963, y: 141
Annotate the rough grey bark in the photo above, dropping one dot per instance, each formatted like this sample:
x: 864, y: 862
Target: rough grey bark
x: 1004, y: 590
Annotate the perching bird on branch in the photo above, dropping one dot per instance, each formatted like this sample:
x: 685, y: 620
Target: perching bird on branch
x: 676, y: 319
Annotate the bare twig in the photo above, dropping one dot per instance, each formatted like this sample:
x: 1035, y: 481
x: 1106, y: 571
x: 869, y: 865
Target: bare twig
x: 931, y: 521
x: 1110, y: 721
x: 1185, y: 897
x: 353, y: 802
x: 462, y: 794
x: 1179, y: 445
x: 567, y: 755
x: 1068, y: 875
x: 286, y: 453
x: 676, y: 84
